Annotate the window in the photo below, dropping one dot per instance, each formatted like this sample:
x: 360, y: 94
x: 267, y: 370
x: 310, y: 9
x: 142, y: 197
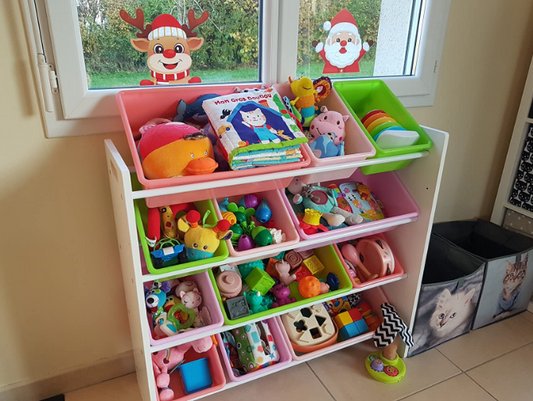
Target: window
x: 83, y: 52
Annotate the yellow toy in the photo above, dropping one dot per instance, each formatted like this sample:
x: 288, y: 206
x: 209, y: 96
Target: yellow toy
x: 202, y: 241
x: 314, y: 265
x: 307, y: 93
x: 169, y: 223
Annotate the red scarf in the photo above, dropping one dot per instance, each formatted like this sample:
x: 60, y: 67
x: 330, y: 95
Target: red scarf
x: 164, y: 79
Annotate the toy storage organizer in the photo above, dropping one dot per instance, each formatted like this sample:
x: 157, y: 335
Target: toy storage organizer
x: 417, y: 184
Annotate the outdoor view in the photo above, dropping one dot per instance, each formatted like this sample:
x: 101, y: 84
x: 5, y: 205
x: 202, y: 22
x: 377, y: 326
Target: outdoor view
x: 230, y: 52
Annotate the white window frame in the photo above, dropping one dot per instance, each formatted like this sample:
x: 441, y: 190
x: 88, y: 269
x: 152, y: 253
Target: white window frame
x: 69, y: 108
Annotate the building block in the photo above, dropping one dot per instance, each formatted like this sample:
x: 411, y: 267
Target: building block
x: 246, y: 268
x: 229, y: 268
x: 314, y: 265
x: 365, y: 309
x: 270, y: 269
x: 294, y: 259
x: 301, y: 273
x: 361, y: 326
x: 259, y: 280
x: 237, y: 307
x: 372, y: 322
x: 354, y: 300
x: 306, y: 254
x: 295, y: 292
x: 196, y: 376
x: 343, y: 334
x: 343, y: 319
x: 355, y: 314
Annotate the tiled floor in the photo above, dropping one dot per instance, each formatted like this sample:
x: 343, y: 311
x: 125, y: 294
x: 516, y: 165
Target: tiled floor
x: 492, y: 363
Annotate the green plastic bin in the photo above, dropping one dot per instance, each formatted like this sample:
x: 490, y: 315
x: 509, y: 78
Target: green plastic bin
x: 329, y: 258
x: 363, y: 96
x: 141, y: 214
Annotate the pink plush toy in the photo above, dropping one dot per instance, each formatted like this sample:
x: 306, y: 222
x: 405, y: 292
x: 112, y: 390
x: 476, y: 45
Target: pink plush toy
x: 193, y: 300
x: 282, y: 295
x: 326, y: 134
x: 283, y: 269
x: 164, y: 361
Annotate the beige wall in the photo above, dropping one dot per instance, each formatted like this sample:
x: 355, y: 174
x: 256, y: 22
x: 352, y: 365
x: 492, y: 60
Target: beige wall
x: 61, y: 297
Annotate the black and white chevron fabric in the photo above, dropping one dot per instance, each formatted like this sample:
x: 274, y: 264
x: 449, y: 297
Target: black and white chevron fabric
x: 391, y: 326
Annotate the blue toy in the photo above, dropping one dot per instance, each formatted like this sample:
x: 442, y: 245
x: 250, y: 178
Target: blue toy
x: 167, y: 253
x: 196, y: 376
x: 333, y: 281
x: 326, y: 147
x: 193, y: 111
x: 263, y: 213
x: 223, y: 206
x: 156, y: 297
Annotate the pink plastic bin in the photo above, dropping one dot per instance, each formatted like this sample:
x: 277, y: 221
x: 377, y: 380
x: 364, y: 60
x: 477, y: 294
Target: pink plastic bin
x: 209, y: 299
x: 284, y: 349
x: 375, y: 297
x: 280, y: 215
x: 215, y: 367
x: 398, y: 269
x: 387, y: 187
x: 356, y: 145
x: 137, y: 106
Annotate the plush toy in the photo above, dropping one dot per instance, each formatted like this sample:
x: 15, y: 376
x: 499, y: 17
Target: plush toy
x: 323, y: 200
x: 164, y: 362
x: 193, y: 300
x: 326, y: 134
x: 175, y: 149
x: 164, y: 219
x: 202, y: 241
x: 307, y: 93
x: 193, y: 111
x: 282, y: 294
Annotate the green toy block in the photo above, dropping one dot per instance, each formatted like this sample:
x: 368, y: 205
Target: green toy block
x: 259, y: 280
x: 314, y: 265
x: 295, y: 292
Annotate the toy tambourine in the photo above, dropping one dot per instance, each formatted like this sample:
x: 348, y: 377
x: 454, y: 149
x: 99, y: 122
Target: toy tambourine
x: 372, y: 256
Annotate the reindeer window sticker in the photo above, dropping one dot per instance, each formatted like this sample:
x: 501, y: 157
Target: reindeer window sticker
x: 169, y: 46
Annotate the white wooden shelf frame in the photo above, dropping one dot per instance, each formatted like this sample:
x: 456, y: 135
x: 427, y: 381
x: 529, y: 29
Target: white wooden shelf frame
x: 410, y: 241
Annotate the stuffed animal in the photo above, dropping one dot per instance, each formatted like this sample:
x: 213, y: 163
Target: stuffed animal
x: 326, y: 134
x: 307, y: 93
x: 193, y: 300
x: 323, y: 200
x: 282, y: 293
x: 164, y: 362
x: 202, y: 241
x: 175, y: 149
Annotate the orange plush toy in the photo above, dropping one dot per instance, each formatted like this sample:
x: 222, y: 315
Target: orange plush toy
x: 175, y: 149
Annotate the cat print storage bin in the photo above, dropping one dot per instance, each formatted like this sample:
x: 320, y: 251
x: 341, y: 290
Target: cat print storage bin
x: 451, y: 289
x: 508, y: 256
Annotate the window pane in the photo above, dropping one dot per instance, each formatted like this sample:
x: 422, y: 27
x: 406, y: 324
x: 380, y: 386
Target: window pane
x: 229, y: 53
x: 357, y: 38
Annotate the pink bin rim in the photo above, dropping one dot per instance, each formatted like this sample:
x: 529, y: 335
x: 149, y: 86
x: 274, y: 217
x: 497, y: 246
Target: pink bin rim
x: 279, y: 214
x: 194, y: 91
x: 209, y: 299
x: 283, y: 348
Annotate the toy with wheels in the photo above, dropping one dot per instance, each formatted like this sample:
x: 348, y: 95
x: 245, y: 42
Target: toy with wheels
x: 386, y: 366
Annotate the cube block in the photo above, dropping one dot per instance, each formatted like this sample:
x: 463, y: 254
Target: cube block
x: 314, y: 265
x: 237, y: 307
x: 301, y: 273
x: 343, y: 319
x: 355, y: 314
x: 196, y: 376
x: 361, y: 326
x: 259, y: 280
x: 270, y: 269
x: 365, y: 309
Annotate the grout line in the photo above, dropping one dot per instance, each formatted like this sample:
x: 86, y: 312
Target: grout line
x: 428, y: 387
x: 499, y: 356
x: 484, y: 389
x: 452, y: 362
x: 321, y: 382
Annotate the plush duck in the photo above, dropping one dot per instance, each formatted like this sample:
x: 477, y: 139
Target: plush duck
x: 174, y: 149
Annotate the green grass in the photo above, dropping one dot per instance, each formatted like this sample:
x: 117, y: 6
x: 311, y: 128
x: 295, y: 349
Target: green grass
x: 125, y: 79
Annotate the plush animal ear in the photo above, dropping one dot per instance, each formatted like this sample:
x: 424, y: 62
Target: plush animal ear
x: 195, y: 290
x: 182, y: 294
x: 346, y: 117
x: 324, y: 109
x: 165, y: 286
x: 183, y: 226
x: 469, y: 295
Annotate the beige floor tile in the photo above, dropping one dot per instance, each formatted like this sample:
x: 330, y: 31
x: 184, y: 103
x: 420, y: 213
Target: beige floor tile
x: 122, y: 389
x: 458, y: 388
x: 345, y: 375
x: 489, y: 342
x: 507, y: 378
x: 527, y: 315
x: 296, y: 383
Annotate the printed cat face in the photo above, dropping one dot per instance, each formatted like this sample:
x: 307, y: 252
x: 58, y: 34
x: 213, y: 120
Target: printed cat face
x: 515, y: 273
x: 255, y: 117
x: 451, y: 311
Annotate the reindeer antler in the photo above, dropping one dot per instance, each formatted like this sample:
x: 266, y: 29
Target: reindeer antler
x: 194, y: 23
x: 137, y: 22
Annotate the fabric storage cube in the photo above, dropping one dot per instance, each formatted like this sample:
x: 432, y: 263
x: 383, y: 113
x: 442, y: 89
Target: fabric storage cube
x: 141, y: 216
x: 363, y: 96
x: 329, y: 258
x: 450, y: 292
x: 356, y: 145
x: 281, y: 346
x: 375, y: 297
x: 508, y: 280
x: 387, y: 187
x: 209, y: 300
x: 280, y: 217
x: 216, y: 372
x: 138, y: 106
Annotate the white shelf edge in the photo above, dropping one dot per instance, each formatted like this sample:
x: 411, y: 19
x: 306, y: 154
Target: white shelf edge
x: 326, y: 351
x: 149, y: 193
x: 222, y: 328
x: 529, y: 120
x: 518, y: 210
x: 264, y: 254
